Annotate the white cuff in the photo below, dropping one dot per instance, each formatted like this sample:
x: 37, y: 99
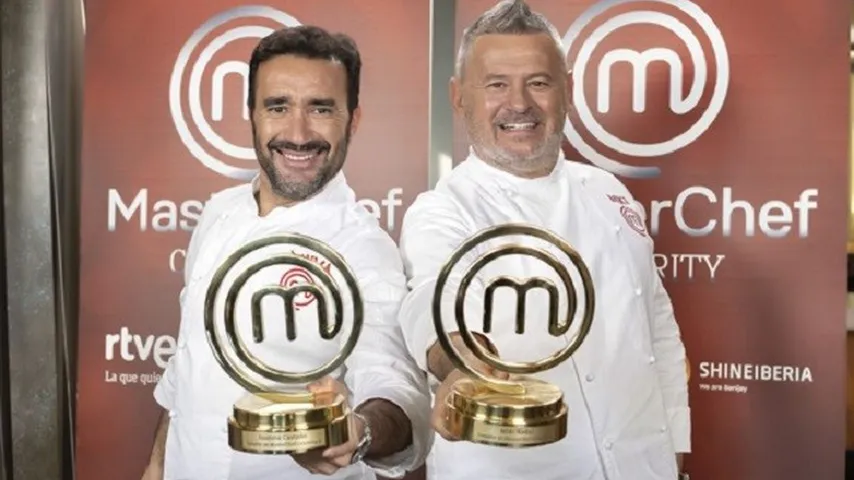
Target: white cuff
x: 679, y: 419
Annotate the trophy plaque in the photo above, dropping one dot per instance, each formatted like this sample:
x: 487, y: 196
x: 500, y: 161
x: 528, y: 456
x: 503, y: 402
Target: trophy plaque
x: 277, y: 414
x: 520, y: 411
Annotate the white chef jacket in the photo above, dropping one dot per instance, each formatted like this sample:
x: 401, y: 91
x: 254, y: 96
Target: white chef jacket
x: 199, y: 395
x: 626, y: 387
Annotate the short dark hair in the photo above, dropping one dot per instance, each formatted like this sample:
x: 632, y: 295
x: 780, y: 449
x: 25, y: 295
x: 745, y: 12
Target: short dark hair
x: 310, y: 42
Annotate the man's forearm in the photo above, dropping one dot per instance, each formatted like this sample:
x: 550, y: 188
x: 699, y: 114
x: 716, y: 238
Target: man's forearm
x: 391, y: 430
x: 158, y: 451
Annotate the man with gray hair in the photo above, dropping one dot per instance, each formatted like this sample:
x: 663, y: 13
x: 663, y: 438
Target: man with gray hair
x: 626, y: 386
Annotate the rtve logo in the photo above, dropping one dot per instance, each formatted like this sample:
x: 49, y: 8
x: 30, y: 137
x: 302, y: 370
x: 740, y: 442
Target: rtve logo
x: 208, y: 75
x: 695, y: 109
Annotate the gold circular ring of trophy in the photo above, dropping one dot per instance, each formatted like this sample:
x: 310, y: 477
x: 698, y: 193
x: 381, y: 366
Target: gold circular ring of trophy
x: 238, y: 346
x: 555, y: 328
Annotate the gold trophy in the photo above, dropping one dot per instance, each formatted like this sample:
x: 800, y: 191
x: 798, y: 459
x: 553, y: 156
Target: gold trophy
x: 281, y: 416
x: 521, y: 411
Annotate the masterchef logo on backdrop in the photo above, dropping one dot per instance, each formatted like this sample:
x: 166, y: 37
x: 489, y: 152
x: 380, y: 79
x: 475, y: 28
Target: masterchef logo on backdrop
x: 649, y: 78
x: 626, y: 65
x: 209, y: 84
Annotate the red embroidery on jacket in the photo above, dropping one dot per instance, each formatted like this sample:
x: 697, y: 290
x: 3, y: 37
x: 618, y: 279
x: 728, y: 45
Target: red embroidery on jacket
x: 632, y: 217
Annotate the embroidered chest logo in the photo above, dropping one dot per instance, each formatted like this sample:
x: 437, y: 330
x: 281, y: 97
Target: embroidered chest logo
x: 297, y: 275
x: 632, y: 218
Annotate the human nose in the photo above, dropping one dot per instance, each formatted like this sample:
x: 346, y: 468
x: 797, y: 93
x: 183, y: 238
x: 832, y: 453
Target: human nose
x: 298, y: 129
x: 519, y: 99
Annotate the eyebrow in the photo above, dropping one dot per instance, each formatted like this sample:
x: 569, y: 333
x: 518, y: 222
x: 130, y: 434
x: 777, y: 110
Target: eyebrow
x: 322, y: 102
x: 284, y: 100
x: 495, y: 76
x: 275, y: 101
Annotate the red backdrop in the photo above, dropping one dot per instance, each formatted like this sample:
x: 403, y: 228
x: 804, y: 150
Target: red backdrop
x: 148, y: 181
x: 760, y: 293
x: 748, y: 210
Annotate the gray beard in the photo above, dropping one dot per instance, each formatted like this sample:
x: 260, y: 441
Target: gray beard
x: 544, y: 155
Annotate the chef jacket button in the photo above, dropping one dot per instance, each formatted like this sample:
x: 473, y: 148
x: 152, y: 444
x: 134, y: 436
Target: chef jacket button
x: 651, y: 359
x: 638, y: 291
x: 608, y: 444
x: 617, y: 228
x: 589, y: 377
x: 663, y: 429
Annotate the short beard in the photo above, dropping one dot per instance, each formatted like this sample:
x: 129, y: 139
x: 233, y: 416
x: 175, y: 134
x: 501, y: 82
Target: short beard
x: 297, y: 191
x: 545, y: 154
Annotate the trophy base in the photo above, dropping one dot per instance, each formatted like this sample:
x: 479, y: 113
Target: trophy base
x: 276, y: 424
x: 480, y: 414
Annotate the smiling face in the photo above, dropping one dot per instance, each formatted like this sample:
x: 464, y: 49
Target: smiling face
x: 300, y: 124
x: 513, y: 97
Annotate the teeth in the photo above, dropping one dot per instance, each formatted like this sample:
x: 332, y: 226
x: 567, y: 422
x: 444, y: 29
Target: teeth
x: 518, y: 126
x: 296, y: 157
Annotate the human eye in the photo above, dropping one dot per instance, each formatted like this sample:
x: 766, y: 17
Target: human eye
x: 539, y: 84
x: 324, y: 111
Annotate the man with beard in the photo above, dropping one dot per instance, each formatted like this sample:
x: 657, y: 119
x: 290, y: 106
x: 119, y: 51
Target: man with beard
x: 304, y: 103
x: 625, y: 387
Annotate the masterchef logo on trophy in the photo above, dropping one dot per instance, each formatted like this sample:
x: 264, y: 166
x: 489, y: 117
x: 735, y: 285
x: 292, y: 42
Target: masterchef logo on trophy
x: 298, y: 275
x: 202, y: 86
x: 277, y: 414
x: 610, y: 128
x: 521, y: 411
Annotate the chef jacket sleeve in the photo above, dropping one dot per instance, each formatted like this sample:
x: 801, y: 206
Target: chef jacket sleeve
x: 380, y: 366
x: 671, y: 367
x: 670, y: 357
x: 433, y: 228
x: 164, y: 391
